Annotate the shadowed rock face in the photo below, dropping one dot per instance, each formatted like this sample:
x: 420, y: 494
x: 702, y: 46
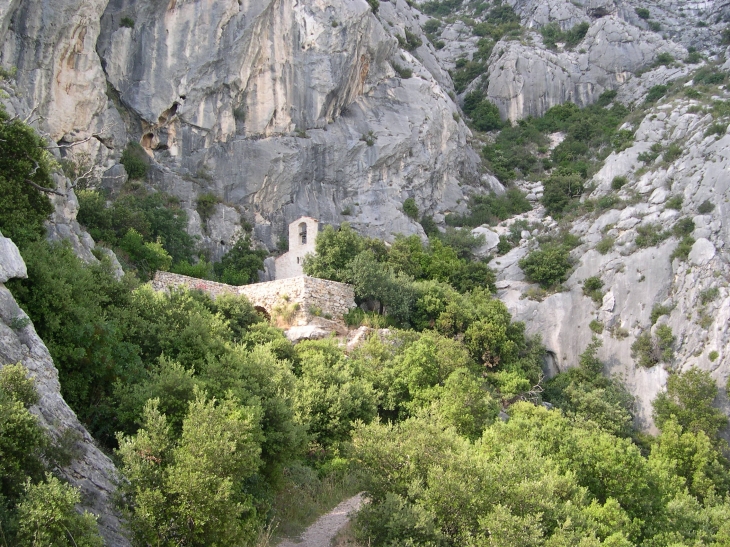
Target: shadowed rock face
x: 92, y: 471
x: 285, y: 109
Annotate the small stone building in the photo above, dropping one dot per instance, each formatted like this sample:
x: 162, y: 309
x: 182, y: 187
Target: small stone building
x: 302, y: 234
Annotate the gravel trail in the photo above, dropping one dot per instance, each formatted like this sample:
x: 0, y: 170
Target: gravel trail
x: 323, y: 531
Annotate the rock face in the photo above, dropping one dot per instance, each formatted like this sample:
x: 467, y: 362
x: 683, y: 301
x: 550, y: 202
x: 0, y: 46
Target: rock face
x: 288, y: 108
x: 527, y: 80
x: 694, y: 293
x: 92, y: 471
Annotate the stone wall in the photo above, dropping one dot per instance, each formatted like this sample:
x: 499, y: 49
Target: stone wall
x: 292, y: 301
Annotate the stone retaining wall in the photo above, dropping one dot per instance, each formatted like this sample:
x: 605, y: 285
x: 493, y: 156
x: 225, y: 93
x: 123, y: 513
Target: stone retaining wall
x: 293, y: 301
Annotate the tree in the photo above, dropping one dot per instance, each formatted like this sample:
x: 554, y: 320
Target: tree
x: 334, y: 250
x: 689, y: 397
x: 560, y: 189
x: 188, y: 491
x: 25, y: 170
x: 548, y: 265
x: 47, y: 517
x: 241, y: 264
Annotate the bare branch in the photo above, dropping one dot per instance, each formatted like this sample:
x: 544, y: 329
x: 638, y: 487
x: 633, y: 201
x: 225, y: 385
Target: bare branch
x: 45, y: 190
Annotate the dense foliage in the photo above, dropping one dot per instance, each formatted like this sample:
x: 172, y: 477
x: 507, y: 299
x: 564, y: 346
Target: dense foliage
x: 393, y: 279
x: 36, y: 508
x: 24, y: 163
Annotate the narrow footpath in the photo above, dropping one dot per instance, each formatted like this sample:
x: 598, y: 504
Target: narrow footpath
x: 324, y: 530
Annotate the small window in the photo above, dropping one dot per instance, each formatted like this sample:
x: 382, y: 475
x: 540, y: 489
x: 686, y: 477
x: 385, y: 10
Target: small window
x: 302, y: 234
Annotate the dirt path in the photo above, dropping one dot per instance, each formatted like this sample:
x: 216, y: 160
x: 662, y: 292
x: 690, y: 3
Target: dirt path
x: 323, y: 531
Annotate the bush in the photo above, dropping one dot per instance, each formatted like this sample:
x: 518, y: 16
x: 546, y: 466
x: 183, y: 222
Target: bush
x: 592, y: 287
x: 491, y: 209
x: 656, y: 93
x: 410, y: 42
x: 127, y: 22
x: 713, y: 355
x: 484, y: 114
x: 651, y: 350
x: 683, y: 248
x: 650, y: 235
x: 374, y: 5
x: 605, y: 245
x: 658, y: 310
x: 596, y: 326
x: 709, y: 295
x: 716, y: 129
x: 683, y: 227
x: 675, y: 202
x: 618, y: 182
x: 241, y: 264
x: 410, y: 208
x: 205, y: 205
x: 706, y: 207
x: 135, y: 160
x: 548, y: 266
x: 643, y: 13
x: 24, y: 162
x: 559, y: 190
x: 404, y: 73
x: 663, y: 58
x: 689, y: 400
x: 655, y: 26
x: 551, y: 34
x: 673, y: 152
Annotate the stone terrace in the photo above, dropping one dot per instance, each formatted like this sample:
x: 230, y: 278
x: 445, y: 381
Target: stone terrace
x: 295, y: 300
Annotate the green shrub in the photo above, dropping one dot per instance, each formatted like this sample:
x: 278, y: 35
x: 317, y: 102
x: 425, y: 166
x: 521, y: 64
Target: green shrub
x: 484, y: 114
x: 607, y: 97
x: 663, y: 58
x: 551, y: 34
x: 706, y: 207
x: 716, y: 129
x: 658, y: 310
x: 675, y: 202
x: 205, y: 205
x: 592, y: 287
x: 548, y: 266
x: 491, y: 209
x: 559, y: 190
x: 596, y: 326
x: 683, y: 227
x: 673, y: 152
x: 656, y: 93
x: 431, y: 26
x: 708, y: 295
x: 440, y: 7
x: 127, y: 22
x: 410, y: 208
x: 651, y: 350
x: 618, y: 182
x: 374, y: 5
x: 709, y: 76
x: 650, y: 235
x: 654, y: 26
x: 241, y: 264
x: 466, y: 72
x: 403, y: 72
x: 643, y: 13
x: 683, y: 249
x: 24, y: 162
x: 410, y: 42
x: 605, y: 245
x: 713, y: 355
x: 693, y: 57
x: 652, y: 154
x: 135, y: 160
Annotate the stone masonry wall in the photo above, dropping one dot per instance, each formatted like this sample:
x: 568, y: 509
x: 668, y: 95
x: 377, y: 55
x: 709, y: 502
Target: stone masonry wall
x: 293, y: 301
